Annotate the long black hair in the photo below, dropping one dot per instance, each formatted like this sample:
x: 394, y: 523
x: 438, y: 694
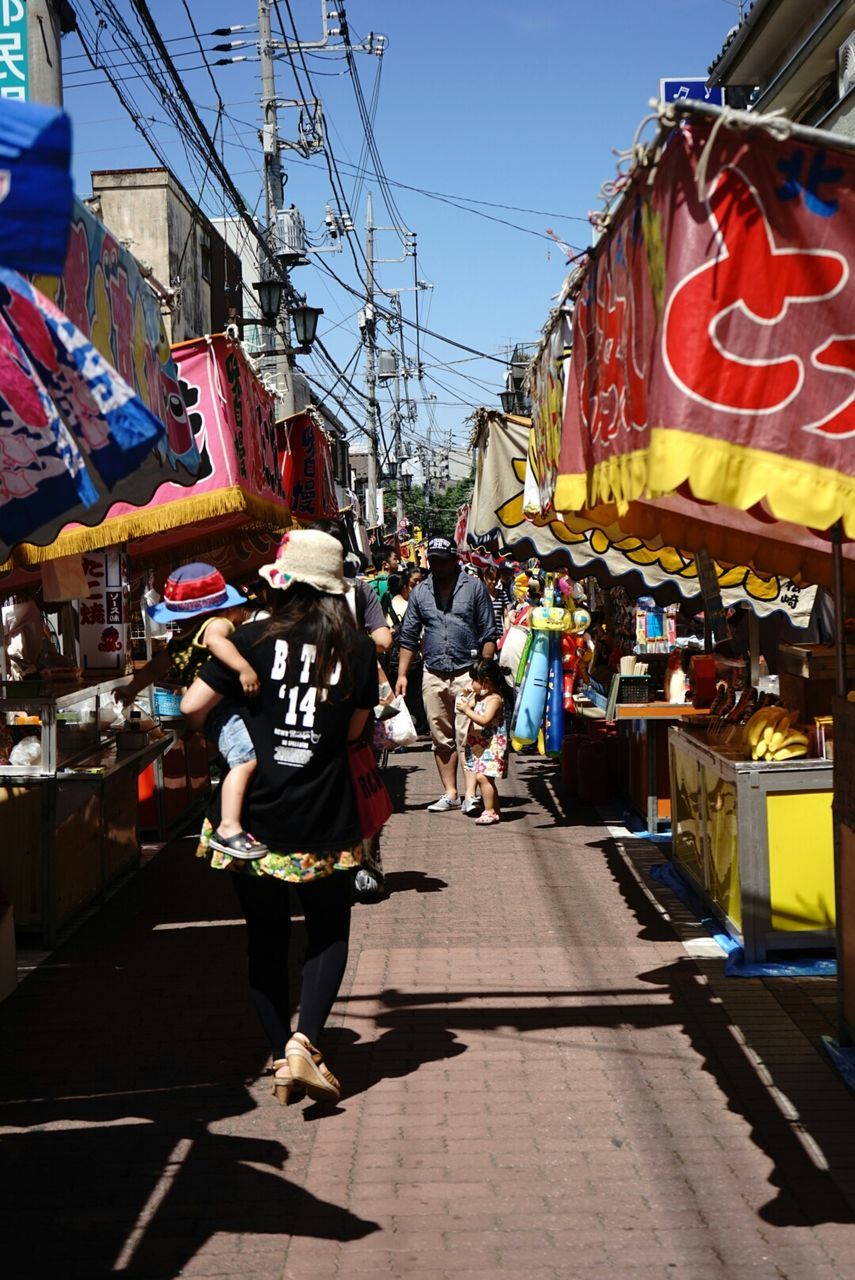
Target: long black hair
x: 323, y: 620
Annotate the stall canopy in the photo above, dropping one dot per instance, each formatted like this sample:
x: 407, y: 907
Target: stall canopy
x: 605, y: 551
x: 230, y: 416
x: 102, y: 299
x: 713, y: 352
x: 71, y: 428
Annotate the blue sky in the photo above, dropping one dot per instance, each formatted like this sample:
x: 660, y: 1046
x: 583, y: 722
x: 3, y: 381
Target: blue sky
x: 490, y: 100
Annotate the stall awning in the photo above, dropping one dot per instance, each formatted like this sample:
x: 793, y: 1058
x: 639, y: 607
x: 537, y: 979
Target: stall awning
x: 103, y: 297
x: 231, y: 416
x: 606, y: 551
x: 713, y: 350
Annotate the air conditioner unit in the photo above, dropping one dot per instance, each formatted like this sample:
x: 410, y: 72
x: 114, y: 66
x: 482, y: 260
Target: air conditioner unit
x: 846, y: 66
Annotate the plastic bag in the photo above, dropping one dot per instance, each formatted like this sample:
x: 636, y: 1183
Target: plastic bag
x: 27, y: 752
x: 400, y: 728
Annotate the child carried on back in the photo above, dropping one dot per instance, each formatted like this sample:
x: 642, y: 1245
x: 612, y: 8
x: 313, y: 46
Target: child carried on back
x: 207, y: 609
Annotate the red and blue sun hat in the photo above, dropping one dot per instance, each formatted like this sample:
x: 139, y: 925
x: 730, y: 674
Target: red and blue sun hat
x: 193, y: 590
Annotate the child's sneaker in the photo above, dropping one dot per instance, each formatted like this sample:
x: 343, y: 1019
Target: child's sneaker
x: 242, y: 845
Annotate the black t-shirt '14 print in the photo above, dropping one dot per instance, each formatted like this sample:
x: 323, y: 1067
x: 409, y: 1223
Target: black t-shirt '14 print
x: 300, y: 798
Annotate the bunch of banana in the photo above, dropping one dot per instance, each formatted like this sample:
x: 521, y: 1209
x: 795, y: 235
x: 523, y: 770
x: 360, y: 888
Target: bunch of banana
x: 771, y: 734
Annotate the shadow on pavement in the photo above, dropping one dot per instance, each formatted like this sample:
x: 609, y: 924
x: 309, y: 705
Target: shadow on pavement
x: 806, y: 1195
x: 123, y: 1109
x: 413, y: 881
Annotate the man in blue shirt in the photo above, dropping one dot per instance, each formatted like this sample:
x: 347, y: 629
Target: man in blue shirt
x: 452, y: 614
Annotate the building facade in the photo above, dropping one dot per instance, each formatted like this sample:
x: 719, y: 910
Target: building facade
x: 150, y: 212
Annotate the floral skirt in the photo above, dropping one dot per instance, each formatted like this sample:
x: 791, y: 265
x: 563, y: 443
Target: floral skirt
x: 298, y: 868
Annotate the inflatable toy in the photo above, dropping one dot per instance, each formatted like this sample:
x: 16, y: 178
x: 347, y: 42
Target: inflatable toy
x: 531, y: 705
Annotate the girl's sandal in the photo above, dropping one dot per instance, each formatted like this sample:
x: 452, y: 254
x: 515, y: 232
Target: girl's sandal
x: 488, y: 817
x: 309, y: 1069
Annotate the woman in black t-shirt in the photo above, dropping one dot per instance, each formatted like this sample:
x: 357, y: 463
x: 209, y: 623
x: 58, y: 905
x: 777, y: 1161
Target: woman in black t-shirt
x: 318, y: 676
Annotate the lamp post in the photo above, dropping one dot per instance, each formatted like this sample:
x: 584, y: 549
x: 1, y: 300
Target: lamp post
x: 304, y: 318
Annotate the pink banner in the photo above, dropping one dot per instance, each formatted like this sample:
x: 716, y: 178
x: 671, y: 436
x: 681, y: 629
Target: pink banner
x: 232, y: 417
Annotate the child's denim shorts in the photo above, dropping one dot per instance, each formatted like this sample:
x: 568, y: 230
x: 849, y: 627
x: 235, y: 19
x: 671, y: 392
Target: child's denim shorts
x: 230, y: 736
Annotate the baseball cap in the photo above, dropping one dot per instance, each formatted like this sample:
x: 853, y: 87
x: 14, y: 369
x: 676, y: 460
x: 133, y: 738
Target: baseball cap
x: 441, y: 547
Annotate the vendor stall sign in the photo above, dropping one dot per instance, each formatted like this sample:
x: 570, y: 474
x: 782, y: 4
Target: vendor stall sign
x: 232, y: 415
x: 103, y: 615
x: 14, y: 52
x: 548, y: 379
x: 713, y: 343
x: 307, y: 473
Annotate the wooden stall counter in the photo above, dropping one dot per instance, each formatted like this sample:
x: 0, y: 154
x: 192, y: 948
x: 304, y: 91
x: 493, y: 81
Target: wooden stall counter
x: 643, y: 732
x: 756, y: 841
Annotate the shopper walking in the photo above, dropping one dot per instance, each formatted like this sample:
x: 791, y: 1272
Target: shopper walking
x: 401, y: 586
x: 451, y: 614
x: 318, y: 677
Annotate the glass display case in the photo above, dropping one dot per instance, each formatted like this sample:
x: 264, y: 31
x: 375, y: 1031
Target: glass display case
x: 69, y: 792
x: 44, y: 730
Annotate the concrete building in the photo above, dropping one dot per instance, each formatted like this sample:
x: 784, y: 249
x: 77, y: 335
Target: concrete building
x: 795, y: 56
x: 151, y: 213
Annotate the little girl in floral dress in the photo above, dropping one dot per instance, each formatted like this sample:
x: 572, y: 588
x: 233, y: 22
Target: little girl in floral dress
x: 486, y: 753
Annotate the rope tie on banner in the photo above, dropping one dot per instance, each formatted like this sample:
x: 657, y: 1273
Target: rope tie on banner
x: 775, y: 123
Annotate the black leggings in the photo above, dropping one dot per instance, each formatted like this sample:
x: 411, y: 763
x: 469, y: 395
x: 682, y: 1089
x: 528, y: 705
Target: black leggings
x: 326, y: 906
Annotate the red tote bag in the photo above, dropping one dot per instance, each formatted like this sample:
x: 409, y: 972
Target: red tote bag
x: 373, y: 802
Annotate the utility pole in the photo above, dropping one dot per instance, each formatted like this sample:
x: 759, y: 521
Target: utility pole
x: 274, y: 195
x: 369, y: 335
x: 399, y: 474
x: 46, y: 22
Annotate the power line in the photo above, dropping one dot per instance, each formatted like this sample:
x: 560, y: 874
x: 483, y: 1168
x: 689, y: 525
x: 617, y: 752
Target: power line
x: 451, y: 342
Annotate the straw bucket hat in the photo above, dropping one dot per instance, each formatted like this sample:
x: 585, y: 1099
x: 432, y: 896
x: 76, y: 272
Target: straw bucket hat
x: 308, y: 556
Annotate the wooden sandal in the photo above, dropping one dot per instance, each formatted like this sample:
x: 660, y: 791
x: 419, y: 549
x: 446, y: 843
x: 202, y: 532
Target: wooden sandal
x: 283, y: 1086
x: 309, y: 1069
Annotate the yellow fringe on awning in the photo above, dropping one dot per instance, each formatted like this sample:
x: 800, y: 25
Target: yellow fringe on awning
x: 145, y: 521
x: 717, y: 471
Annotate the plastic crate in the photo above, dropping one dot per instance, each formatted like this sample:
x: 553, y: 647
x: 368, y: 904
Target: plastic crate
x: 636, y: 689
x: 167, y: 702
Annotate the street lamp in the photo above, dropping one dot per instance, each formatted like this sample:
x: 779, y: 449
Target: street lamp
x: 305, y: 320
x: 509, y: 401
x: 269, y: 298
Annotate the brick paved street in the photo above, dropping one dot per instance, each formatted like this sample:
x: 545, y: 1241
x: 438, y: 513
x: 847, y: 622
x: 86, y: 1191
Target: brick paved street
x: 539, y: 1082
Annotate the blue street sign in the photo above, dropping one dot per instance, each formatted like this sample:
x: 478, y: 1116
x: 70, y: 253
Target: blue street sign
x: 690, y: 89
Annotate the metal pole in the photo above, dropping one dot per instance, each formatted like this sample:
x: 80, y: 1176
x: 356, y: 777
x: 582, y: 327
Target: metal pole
x: 370, y: 369
x: 839, y: 609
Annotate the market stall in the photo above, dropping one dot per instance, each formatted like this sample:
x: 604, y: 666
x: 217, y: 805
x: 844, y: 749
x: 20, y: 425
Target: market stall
x: 710, y: 362
x: 614, y: 557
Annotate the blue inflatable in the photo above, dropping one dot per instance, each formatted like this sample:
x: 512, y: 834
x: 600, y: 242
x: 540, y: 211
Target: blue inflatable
x: 555, y: 698
x: 528, y: 717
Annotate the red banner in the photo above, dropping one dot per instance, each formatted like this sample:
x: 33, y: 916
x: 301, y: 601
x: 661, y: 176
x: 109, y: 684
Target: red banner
x: 713, y: 336
x: 307, y: 473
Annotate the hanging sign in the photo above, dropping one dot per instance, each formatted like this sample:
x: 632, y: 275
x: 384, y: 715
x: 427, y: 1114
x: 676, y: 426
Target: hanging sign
x: 103, y: 615
x: 14, y: 58
x: 690, y: 89
x: 713, y: 605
